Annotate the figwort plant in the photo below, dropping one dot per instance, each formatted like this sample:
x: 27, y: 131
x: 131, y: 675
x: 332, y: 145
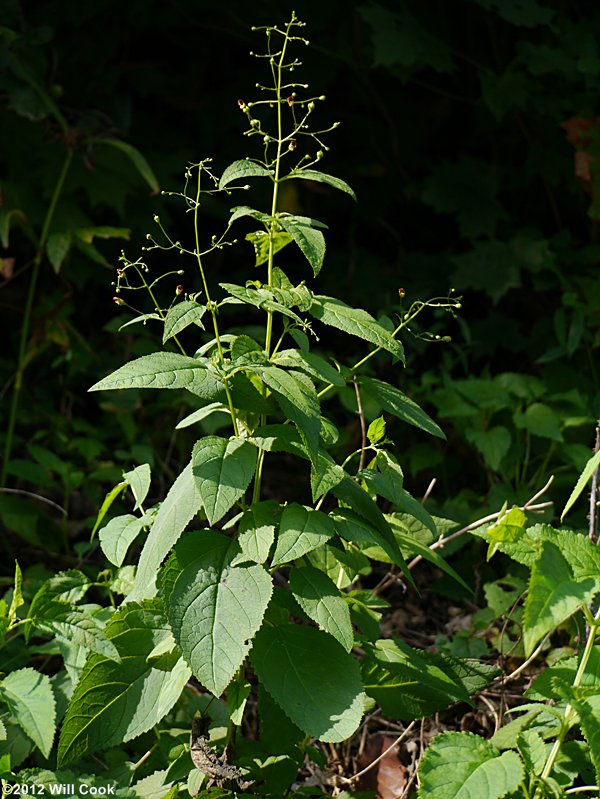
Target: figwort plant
x: 256, y: 598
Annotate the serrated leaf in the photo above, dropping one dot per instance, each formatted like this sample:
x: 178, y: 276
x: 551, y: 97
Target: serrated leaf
x: 310, y: 241
x: 75, y: 625
x: 244, y: 210
x: 322, y: 177
x: 320, y: 599
x: 325, y: 475
x: 398, y: 404
x: 461, y: 765
x: 115, y: 702
x: 165, y: 370
x: 138, y: 480
x: 356, y: 322
x: 310, y: 363
x: 310, y: 676
x: 586, y: 475
x: 118, y: 534
x: 57, y: 249
x: 214, y: 608
x: 202, y: 413
x: 136, y: 158
x: 241, y: 170
x: 222, y: 470
x: 256, y: 531
x: 301, y: 530
x: 553, y: 595
x: 588, y: 710
x: 176, y: 511
x: 141, y: 318
x: 261, y: 242
x: 17, y: 597
x: 185, y: 313
x: 30, y: 699
x: 352, y: 527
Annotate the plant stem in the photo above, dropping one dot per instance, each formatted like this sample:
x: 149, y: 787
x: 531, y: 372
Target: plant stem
x: 22, y: 356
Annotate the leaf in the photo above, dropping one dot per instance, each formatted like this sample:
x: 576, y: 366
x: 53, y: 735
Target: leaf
x: 356, y: 322
x: 115, y: 702
x: 300, y: 531
x: 588, y: 710
x: 75, y: 625
x: 241, y: 170
x: 320, y: 599
x: 214, y: 608
x: 107, y: 502
x: 461, y: 765
x: 185, y: 313
x: 118, y: 534
x: 256, y: 531
x: 590, y: 467
x: 136, y: 158
x: 310, y: 241
x: 165, y: 370
x: 31, y: 702
x: 321, y: 177
x: 261, y: 242
x: 492, y: 443
x: 310, y: 363
x: 540, y: 420
x: 244, y: 210
x: 176, y: 511
x: 353, y: 527
x: 310, y: 676
x: 376, y: 430
x: 57, y: 248
x: 296, y: 396
x: 398, y: 404
x: 222, y: 470
x: 553, y: 595
x: 202, y: 413
x: 17, y: 597
x: 138, y: 480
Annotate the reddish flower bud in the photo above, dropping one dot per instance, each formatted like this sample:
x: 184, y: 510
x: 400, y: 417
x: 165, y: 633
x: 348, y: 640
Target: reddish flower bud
x: 401, y: 293
x: 121, y: 272
x: 118, y: 301
x: 178, y: 289
x: 292, y: 145
x: 290, y: 99
x: 241, y: 104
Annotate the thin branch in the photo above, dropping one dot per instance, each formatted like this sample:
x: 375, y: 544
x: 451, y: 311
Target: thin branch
x: 430, y: 488
x: 363, y: 427
x: 35, y: 496
x: 348, y: 780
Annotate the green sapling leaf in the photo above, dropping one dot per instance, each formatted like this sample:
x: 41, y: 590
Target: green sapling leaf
x: 222, y: 470
x: 241, y: 170
x: 185, y: 313
x: 322, y: 177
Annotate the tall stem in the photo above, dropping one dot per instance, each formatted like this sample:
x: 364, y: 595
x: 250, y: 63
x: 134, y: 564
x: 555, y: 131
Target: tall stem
x: 24, y: 338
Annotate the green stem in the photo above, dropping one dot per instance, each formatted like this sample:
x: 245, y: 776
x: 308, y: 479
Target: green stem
x: 24, y: 339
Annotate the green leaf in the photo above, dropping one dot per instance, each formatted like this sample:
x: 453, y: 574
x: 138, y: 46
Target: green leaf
x: 136, y: 158
x: 165, y: 370
x: 185, y: 313
x: 75, y: 625
x: 296, y: 396
x: 300, y: 531
x: 57, y: 248
x: 17, y: 597
x: 588, y: 710
x: 321, y: 177
x: 244, y: 210
x: 461, y: 765
x: 118, y: 534
x: 7, y: 218
x: 493, y: 444
x: 176, y: 511
x: 115, y: 702
x: 202, y: 413
x: 241, y: 170
x: 31, y: 702
x: 553, y: 595
x: 586, y: 475
x: 353, y: 527
x: 138, y: 480
x: 398, y: 404
x: 320, y: 599
x: 310, y: 676
x: 540, y: 420
x: 256, y: 531
x: 222, y: 470
x: 214, y: 608
x: 310, y: 241
x: 310, y: 363
x: 356, y: 322
x: 107, y: 502
x: 376, y: 430
x: 261, y: 242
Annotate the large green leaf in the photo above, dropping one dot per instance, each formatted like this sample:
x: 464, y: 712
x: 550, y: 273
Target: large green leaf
x: 214, y: 607
x: 588, y: 710
x: 296, y: 396
x: 75, y: 624
x: 553, y: 595
x: 322, y: 177
x: 222, y: 470
x: 398, y: 404
x: 165, y: 370
x: 310, y: 240
x: 312, y: 678
x: 115, y: 702
x: 320, y: 599
x: 241, y: 170
x: 182, y: 315
x: 30, y: 699
x: 256, y: 530
x: 116, y: 536
x: 176, y: 511
x: 356, y: 322
x: 461, y: 765
x: 300, y: 531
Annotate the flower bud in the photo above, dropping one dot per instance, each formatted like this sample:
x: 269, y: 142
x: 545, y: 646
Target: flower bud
x: 290, y: 99
x: 179, y: 289
x: 118, y: 301
x: 121, y: 272
x: 401, y: 293
x: 242, y: 104
x: 292, y: 145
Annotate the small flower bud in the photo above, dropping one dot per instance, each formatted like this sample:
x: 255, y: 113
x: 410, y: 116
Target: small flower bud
x: 322, y: 97
x: 180, y: 271
x: 242, y: 104
x: 290, y: 99
x: 121, y: 272
x: 292, y: 145
x: 118, y: 301
x: 447, y: 339
x: 401, y: 293
x: 179, y: 289
x: 156, y: 218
